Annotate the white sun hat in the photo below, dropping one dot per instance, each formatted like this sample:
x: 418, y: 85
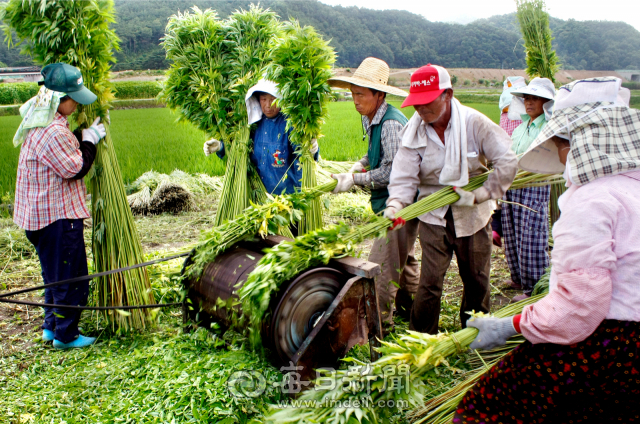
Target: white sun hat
x: 510, y: 84
x: 540, y: 87
x: 254, y: 111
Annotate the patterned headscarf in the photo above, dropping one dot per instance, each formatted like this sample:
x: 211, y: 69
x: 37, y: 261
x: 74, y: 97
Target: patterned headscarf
x: 37, y: 112
x: 604, y: 133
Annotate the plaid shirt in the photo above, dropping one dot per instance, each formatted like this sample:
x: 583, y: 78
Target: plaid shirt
x: 507, y: 124
x: 390, y: 143
x: 45, y: 192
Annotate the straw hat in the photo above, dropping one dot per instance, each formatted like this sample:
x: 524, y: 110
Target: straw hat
x: 372, y: 73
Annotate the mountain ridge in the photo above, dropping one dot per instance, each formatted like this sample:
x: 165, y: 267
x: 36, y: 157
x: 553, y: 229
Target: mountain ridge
x: 401, y: 38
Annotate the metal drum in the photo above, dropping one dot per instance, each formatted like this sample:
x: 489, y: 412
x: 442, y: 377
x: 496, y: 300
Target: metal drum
x: 292, y: 314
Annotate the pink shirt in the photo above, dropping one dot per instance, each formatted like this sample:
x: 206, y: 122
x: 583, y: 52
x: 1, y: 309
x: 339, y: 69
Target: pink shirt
x: 507, y: 124
x: 595, y: 262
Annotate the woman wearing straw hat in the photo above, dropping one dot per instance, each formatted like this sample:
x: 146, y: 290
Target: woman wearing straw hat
x: 581, y: 360
x: 382, y: 124
x: 525, y: 214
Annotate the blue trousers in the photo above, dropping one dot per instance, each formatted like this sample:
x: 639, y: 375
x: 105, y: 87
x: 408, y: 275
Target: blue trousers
x: 61, y: 250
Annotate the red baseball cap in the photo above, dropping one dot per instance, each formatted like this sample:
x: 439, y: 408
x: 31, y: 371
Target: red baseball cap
x: 427, y: 83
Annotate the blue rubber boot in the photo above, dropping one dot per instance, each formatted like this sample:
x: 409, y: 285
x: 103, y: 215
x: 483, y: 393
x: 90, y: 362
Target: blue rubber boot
x: 81, y: 341
x: 47, y: 335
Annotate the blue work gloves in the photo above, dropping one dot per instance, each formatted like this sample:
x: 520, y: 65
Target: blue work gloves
x: 494, y: 332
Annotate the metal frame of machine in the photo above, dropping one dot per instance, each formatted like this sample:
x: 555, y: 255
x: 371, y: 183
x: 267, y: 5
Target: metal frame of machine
x: 351, y: 318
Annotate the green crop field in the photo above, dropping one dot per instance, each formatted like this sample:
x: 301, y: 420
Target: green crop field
x: 150, y: 139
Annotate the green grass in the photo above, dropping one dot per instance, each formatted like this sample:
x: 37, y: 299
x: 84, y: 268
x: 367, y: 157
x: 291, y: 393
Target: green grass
x: 150, y: 139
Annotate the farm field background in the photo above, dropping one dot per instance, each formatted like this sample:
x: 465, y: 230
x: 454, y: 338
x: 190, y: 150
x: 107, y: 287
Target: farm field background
x: 151, y: 139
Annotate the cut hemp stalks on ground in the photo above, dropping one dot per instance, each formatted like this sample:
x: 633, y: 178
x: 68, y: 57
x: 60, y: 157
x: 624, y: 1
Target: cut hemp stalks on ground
x: 214, y: 64
x: 300, y: 64
x: 367, y: 383
x: 78, y: 33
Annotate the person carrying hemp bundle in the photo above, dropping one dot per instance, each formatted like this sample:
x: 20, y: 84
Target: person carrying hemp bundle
x: 50, y: 195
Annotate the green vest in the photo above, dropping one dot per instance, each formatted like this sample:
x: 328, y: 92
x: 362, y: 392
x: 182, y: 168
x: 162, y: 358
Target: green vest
x: 379, y: 196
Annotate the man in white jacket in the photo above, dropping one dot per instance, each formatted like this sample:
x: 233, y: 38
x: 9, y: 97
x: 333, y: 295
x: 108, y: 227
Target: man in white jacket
x: 445, y: 144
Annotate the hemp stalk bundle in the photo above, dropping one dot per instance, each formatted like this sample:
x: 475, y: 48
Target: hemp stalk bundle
x: 77, y: 33
x: 534, y: 25
x: 214, y: 63
x: 300, y: 64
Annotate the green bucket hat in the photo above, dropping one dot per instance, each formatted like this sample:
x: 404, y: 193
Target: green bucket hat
x: 67, y: 79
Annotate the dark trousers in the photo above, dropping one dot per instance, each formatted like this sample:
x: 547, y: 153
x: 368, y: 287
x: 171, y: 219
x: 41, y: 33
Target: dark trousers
x: 61, y: 250
x: 473, y: 254
x: 496, y: 221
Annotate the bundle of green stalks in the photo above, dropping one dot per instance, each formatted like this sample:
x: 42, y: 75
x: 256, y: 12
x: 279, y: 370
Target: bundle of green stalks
x: 417, y: 351
x: 288, y: 258
x: 214, y: 64
x: 257, y: 219
x: 534, y: 25
x: 301, y: 64
x: 78, y: 33
x: 440, y: 409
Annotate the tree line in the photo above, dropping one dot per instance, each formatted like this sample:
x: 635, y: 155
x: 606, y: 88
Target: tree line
x: 401, y: 38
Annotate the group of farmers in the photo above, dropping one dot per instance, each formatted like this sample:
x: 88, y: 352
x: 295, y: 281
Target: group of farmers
x: 583, y: 339
x: 580, y: 361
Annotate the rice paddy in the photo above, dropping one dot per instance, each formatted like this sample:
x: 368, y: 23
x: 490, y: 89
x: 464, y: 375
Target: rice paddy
x: 151, y: 139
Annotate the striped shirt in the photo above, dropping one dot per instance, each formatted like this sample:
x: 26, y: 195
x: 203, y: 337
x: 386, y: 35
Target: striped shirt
x: 45, y: 191
x: 390, y: 143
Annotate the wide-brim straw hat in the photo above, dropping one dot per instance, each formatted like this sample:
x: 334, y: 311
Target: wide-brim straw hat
x: 372, y: 73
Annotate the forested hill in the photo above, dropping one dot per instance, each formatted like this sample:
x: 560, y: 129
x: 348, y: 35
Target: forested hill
x: 401, y: 38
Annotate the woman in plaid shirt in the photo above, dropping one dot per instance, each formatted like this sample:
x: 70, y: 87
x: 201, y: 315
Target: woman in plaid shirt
x: 50, y: 195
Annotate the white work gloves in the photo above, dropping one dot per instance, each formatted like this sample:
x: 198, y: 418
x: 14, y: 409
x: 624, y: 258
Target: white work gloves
x: 357, y: 167
x: 212, y: 146
x: 471, y: 198
x: 345, y: 182
x: 314, y: 146
x: 94, y: 133
x: 390, y: 213
x: 493, y: 332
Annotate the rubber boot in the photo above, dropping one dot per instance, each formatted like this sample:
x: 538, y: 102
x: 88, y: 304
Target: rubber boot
x: 81, y: 341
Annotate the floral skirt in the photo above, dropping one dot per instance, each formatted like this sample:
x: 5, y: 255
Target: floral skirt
x: 594, y: 381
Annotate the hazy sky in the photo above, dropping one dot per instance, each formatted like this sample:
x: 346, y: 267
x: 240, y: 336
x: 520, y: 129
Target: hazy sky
x: 465, y: 11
